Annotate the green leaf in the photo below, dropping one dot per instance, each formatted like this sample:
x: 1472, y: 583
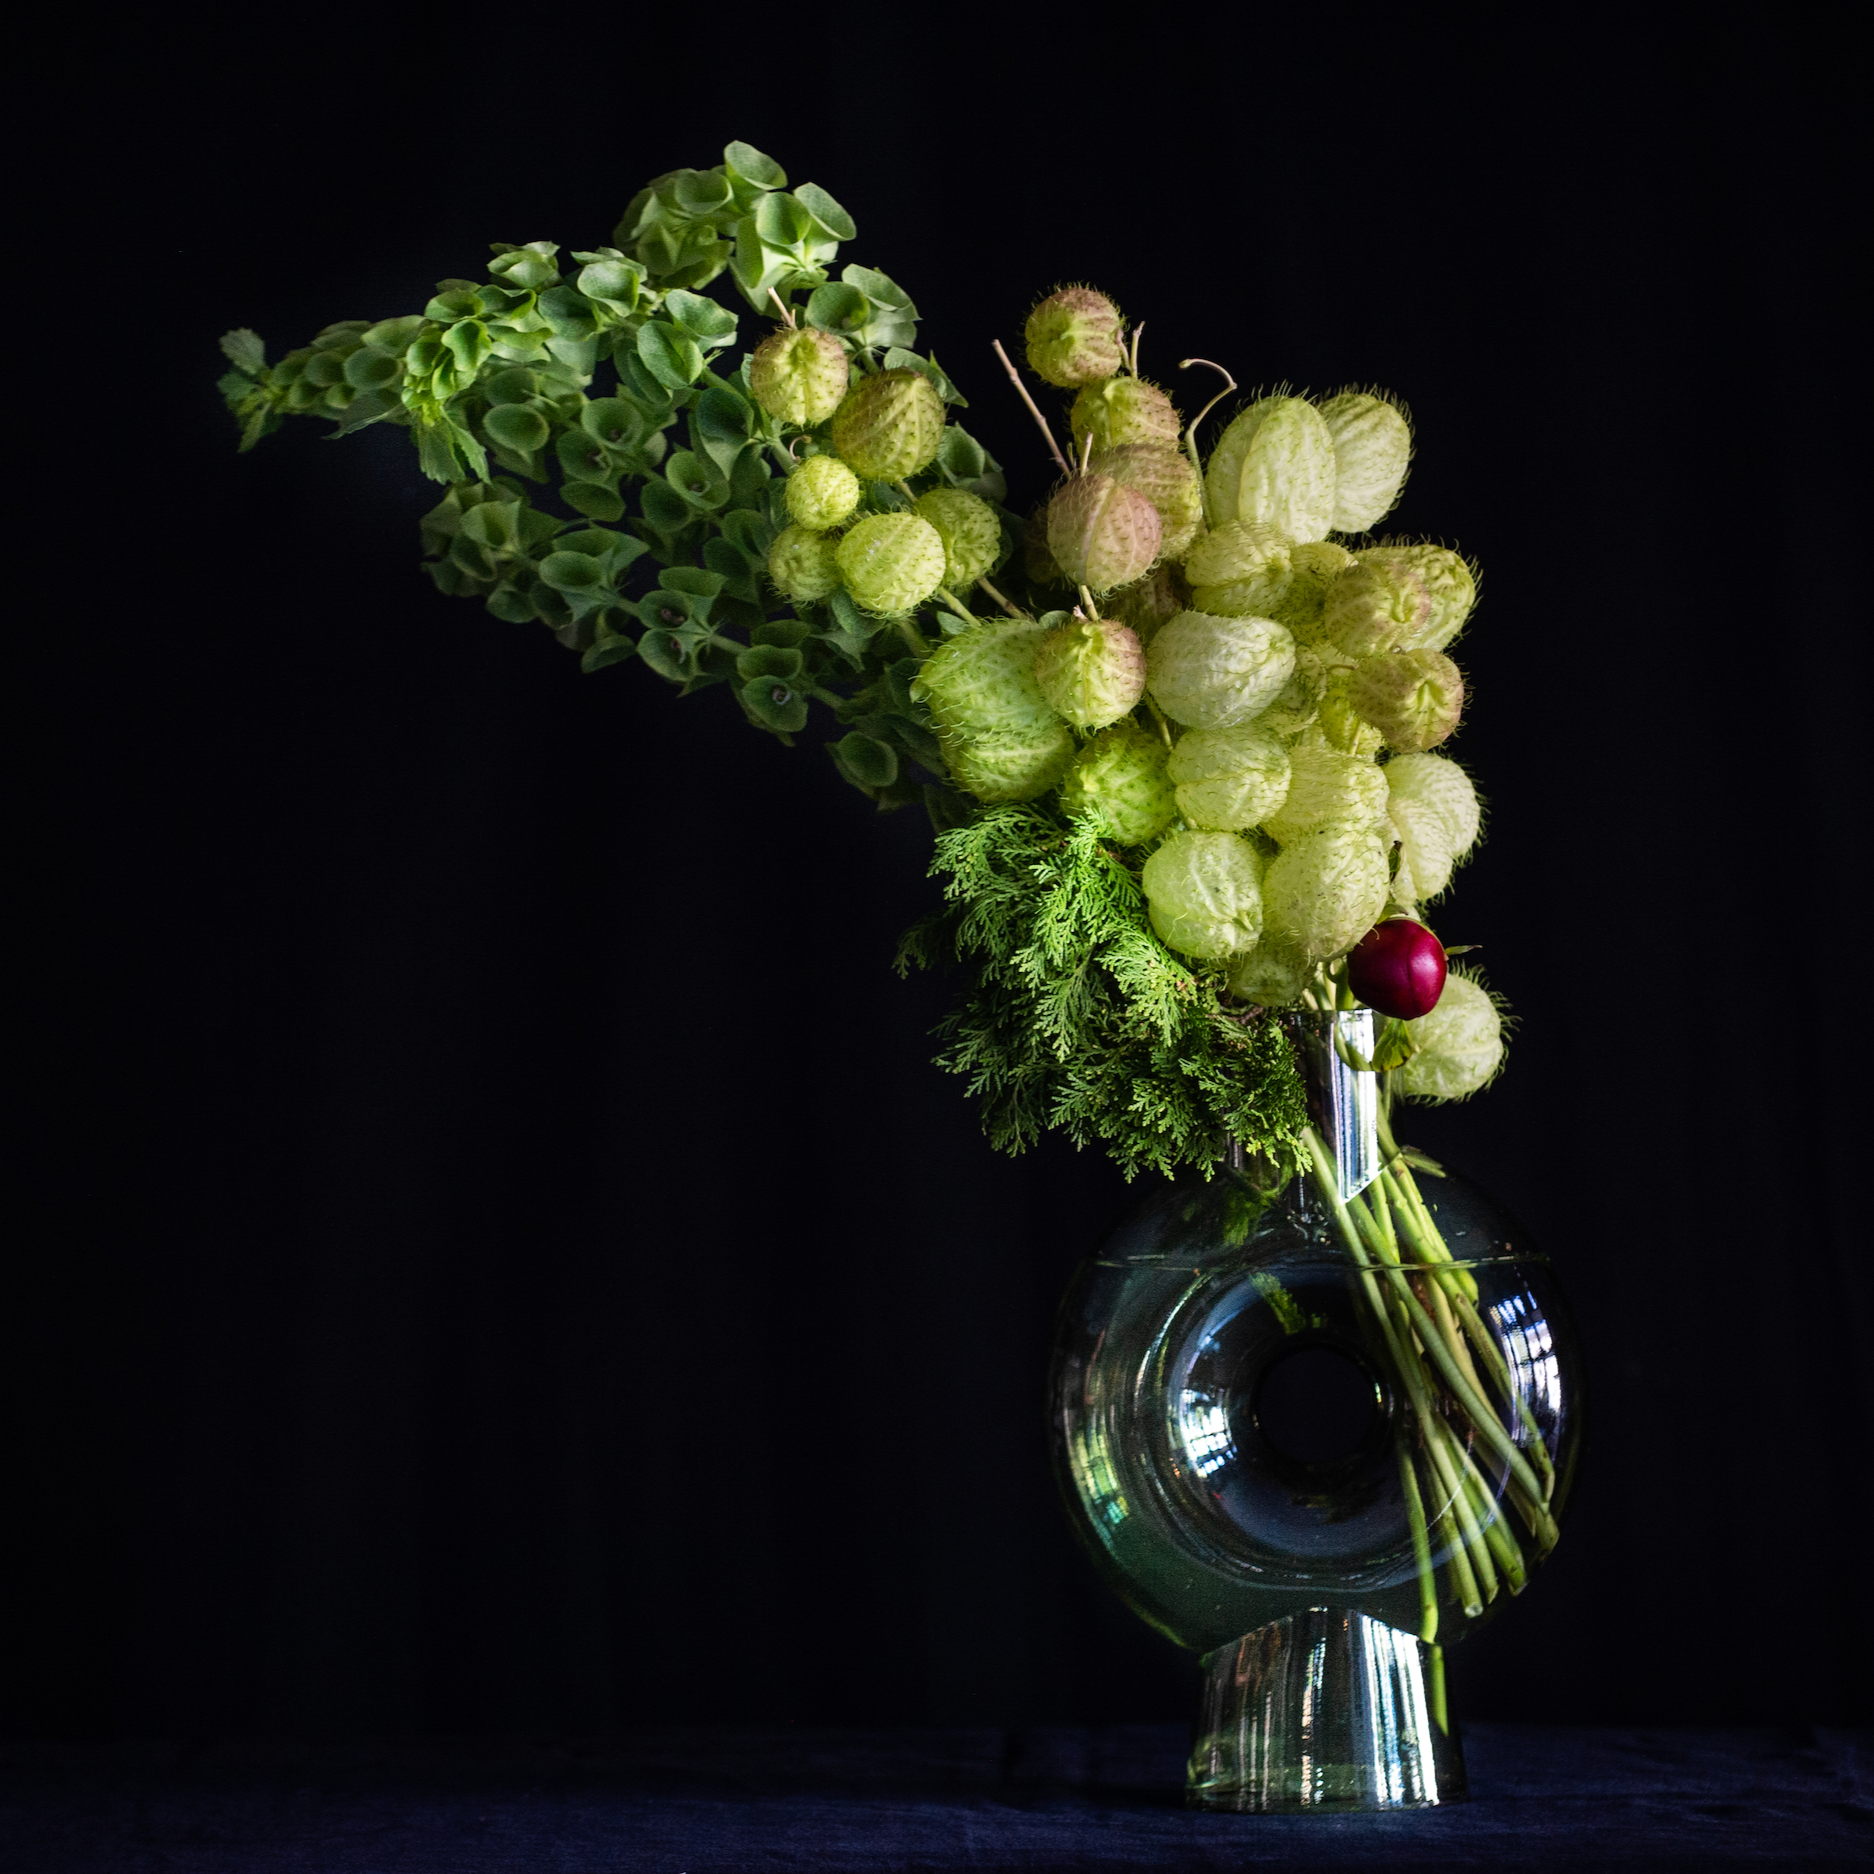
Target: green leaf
x: 395, y: 336
x: 664, y: 652
x: 244, y: 350
x: 530, y: 267
x: 594, y: 499
x: 826, y: 211
x: 894, y: 318
x: 849, y: 618
x: 773, y: 701
x: 770, y: 660
x: 616, y: 283
x: 782, y: 222
x: 514, y: 426
x: 837, y: 307
x: 469, y: 344
x: 572, y: 572
x: 371, y: 370
x: 709, y: 324
x: 670, y: 354
x: 750, y: 164
x: 719, y: 425
x: 568, y: 312
x: 371, y: 406
x: 459, y: 302
x: 897, y: 357
x: 960, y: 455
x: 607, y: 650
x: 696, y: 479
x: 693, y: 579
x: 701, y: 192
x: 749, y: 531
x: 664, y: 508
x: 864, y: 762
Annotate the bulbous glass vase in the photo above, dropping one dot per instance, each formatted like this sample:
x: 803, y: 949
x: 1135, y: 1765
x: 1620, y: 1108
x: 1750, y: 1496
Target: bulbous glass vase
x: 1314, y: 1428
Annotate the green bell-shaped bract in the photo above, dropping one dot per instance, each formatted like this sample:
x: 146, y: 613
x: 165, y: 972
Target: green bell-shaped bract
x: 1372, y: 450
x: 1013, y: 764
x: 1459, y: 1045
x: 1413, y: 698
x: 1122, y: 410
x: 1326, y: 891
x: 1229, y: 779
x: 1091, y: 670
x: 889, y: 425
x: 982, y: 681
x: 822, y: 493
x: 891, y: 563
x: 1203, y: 894
x: 1073, y: 337
x: 799, y: 377
x: 971, y: 533
x: 1210, y: 672
x: 1121, y: 776
x: 1326, y: 788
x: 804, y: 566
x: 1275, y: 463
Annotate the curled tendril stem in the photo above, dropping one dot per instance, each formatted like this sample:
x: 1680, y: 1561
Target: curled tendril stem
x: 1190, y: 435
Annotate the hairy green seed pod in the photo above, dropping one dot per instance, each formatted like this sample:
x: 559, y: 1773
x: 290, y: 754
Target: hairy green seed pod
x: 1229, y: 779
x: 1327, y: 788
x: 1314, y: 566
x: 1210, y: 672
x: 1377, y: 604
x: 1167, y: 481
x: 799, y: 377
x: 822, y: 493
x: 1120, y: 775
x: 1413, y: 698
x: 1450, y: 585
x: 1240, y: 570
x: 1092, y: 670
x: 1324, y: 893
x: 1460, y: 1044
x: 1073, y: 337
x: 1275, y: 463
x: 889, y: 425
x: 1425, y: 855
x: 1150, y: 602
x: 804, y: 566
x: 982, y: 681
x: 1122, y: 410
x: 1299, y: 701
x: 1372, y: 448
x: 891, y: 562
x: 1017, y: 764
x: 1101, y: 533
x: 1273, y: 974
x: 1437, y: 782
x: 1339, y: 723
x: 971, y: 534
x: 1203, y: 893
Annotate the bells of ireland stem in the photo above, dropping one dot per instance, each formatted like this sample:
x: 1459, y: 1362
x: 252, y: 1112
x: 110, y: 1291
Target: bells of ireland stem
x: 1413, y: 698
x: 1327, y: 788
x: 1102, y: 534
x: 968, y: 527
x: 1450, y: 588
x: 799, y: 377
x: 1208, y: 673
x: 1459, y: 1044
x: 1073, y: 338
x: 1240, y: 570
x: 1150, y: 602
x: 1167, y: 481
x: 982, y: 682
x: 1229, y: 779
x: 1203, y: 894
x: 889, y: 425
x: 1323, y: 893
x: 1120, y: 775
x: 1372, y: 447
x: 822, y: 493
x: 891, y: 563
x: 1122, y: 410
x: 1275, y: 463
x: 1092, y: 670
x: 804, y: 566
x: 1375, y: 605
x: 1016, y: 764
x: 1272, y: 975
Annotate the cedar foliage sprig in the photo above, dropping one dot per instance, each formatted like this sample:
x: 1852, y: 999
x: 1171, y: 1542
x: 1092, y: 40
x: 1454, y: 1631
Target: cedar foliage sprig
x: 1074, y: 1014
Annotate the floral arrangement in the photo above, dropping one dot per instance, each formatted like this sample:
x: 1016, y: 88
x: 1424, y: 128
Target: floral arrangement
x: 1175, y: 729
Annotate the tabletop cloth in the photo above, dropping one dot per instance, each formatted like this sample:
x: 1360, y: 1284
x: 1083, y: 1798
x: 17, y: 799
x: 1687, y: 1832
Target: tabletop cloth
x: 694, y: 1801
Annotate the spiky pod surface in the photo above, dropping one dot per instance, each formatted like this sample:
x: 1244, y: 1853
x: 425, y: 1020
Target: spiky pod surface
x: 1101, y: 533
x: 1118, y: 411
x: 1326, y: 788
x: 1372, y: 450
x: 1208, y: 673
x: 1091, y: 670
x: 1298, y: 703
x: 1072, y: 337
x: 1151, y: 602
x: 1273, y: 974
x: 1165, y: 479
x: 1375, y: 605
x: 804, y: 566
x: 889, y: 425
x: 1229, y: 779
x: 822, y: 493
x: 1204, y: 894
x: 891, y: 562
x: 1434, y: 810
x: 1323, y: 893
x: 971, y: 534
x: 1275, y: 464
x: 1121, y: 776
x: 1011, y: 765
x: 1450, y: 587
x: 982, y: 681
x: 1413, y: 698
x: 1460, y: 1044
x: 799, y: 377
x: 1241, y: 569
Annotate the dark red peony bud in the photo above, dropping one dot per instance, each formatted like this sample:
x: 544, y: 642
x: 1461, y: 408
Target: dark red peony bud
x: 1398, y: 967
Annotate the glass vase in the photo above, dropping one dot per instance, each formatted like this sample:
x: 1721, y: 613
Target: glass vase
x: 1315, y: 1427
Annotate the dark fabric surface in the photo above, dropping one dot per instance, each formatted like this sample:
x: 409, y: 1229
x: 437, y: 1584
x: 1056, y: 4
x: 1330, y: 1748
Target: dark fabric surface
x: 1041, y: 1798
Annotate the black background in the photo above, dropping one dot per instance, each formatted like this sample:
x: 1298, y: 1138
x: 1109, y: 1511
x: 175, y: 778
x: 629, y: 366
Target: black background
x: 495, y: 1254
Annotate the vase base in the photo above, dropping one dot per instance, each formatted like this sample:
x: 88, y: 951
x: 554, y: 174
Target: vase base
x: 1325, y: 1710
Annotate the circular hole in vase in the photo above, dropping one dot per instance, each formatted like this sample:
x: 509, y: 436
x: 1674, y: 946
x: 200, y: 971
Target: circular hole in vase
x: 1317, y: 1405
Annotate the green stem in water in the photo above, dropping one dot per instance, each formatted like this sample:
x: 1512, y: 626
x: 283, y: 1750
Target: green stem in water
x: 1421, y: 1547
x: 1435, y: 1689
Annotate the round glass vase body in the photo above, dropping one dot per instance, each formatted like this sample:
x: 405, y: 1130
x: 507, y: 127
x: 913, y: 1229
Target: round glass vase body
x: 1314, y: 1434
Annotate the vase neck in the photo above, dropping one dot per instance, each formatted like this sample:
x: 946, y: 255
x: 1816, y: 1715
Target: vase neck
x: 1343, y: 1098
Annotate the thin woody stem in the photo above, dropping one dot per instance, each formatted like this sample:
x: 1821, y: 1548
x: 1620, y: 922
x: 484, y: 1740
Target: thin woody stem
x: 783, y: 308
x: 1014, y: 611
x: 1054, y: 448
